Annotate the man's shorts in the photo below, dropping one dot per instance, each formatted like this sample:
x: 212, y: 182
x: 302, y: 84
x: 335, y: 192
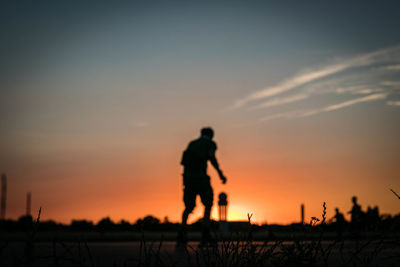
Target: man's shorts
x: 194, y: 187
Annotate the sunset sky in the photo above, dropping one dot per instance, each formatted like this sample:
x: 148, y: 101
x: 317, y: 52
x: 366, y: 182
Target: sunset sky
x: 98, y: 101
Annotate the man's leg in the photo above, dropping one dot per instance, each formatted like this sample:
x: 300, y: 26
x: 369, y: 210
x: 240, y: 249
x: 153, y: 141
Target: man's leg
x: 182, y: 234
x: 185, y: 215
x: 207, y: 197
x: 207, y: 213
x: 189, y: 198
x: 206, y: 236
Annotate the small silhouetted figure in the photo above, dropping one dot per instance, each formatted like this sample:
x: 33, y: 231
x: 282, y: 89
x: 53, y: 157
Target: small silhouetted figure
x: 339, y: 223
x: 197, y: 182
x: 356, y: 217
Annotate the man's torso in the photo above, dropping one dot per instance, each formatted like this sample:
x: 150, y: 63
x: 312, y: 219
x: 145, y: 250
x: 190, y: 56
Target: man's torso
x: 195, y: 157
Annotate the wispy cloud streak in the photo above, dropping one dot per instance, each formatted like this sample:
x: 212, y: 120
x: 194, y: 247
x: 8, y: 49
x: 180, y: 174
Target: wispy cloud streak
x: 307, y: 113
x: 391, y: 83
x: 393, y: 67
x: 281, y: 101
x: 311, y: 76
x: 355, y: 101
x: 371, y: 77
x: 393, y: 103
x: 289, y: 84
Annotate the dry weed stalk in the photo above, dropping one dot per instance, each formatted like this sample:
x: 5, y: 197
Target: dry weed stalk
x: 395, y: 193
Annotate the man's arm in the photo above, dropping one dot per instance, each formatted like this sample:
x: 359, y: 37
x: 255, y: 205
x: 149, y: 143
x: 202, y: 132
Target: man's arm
x: 214, y: 162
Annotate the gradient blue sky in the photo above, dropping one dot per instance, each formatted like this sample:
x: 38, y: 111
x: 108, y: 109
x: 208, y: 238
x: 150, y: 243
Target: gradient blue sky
x: 98, y: 100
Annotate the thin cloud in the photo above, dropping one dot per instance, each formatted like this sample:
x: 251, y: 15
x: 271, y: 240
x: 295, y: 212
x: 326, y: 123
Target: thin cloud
x: 358, y: 76
x: 283, y: 115
x: 391, y: 83
x: 392, y: 67
x: 350, y: 89
x: 281, y: 101
x: 311, y: 76
x: 367, y: 91
x: 289, y: 84
x: 358, y: 90
x: 307, y: 113
x: 393, y: 103
x: 141, y: 124
x: 354, y: 101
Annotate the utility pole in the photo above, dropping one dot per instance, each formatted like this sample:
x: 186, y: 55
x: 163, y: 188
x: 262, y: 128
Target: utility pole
x: 3, y: 196
x: 28, y: 203
x: 302, y: 213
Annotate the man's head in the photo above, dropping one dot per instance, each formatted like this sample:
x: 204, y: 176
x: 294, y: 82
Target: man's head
x: 354, y: 199
x: 207, y: 131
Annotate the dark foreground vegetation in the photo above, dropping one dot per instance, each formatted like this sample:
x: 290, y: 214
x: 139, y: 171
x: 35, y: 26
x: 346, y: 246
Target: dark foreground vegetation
x: 149, y: 242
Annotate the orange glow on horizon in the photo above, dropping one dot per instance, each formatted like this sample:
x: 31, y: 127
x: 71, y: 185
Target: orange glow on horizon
x: 271, y: 186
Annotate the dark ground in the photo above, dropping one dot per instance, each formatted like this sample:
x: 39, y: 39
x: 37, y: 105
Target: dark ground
x: 230, y: 253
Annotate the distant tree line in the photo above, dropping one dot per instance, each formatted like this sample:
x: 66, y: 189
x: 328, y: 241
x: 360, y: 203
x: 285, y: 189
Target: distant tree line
x: 147, y: 223
x: 369, y: 222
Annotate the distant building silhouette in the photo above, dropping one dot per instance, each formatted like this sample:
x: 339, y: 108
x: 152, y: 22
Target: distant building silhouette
x: 223, y: 212
x: 3, y: 196
x: 222, y: 206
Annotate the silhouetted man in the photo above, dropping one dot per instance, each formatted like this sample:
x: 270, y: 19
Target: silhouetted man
x: 356, y: 217
x: 197, y: 182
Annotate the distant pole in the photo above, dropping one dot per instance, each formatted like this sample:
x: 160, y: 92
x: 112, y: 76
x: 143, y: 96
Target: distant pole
x: 302, y: 213
x: 3, y: 195
x: 28, y: 203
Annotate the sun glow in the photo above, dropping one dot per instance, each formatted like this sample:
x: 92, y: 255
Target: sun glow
x: 235, y: 212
